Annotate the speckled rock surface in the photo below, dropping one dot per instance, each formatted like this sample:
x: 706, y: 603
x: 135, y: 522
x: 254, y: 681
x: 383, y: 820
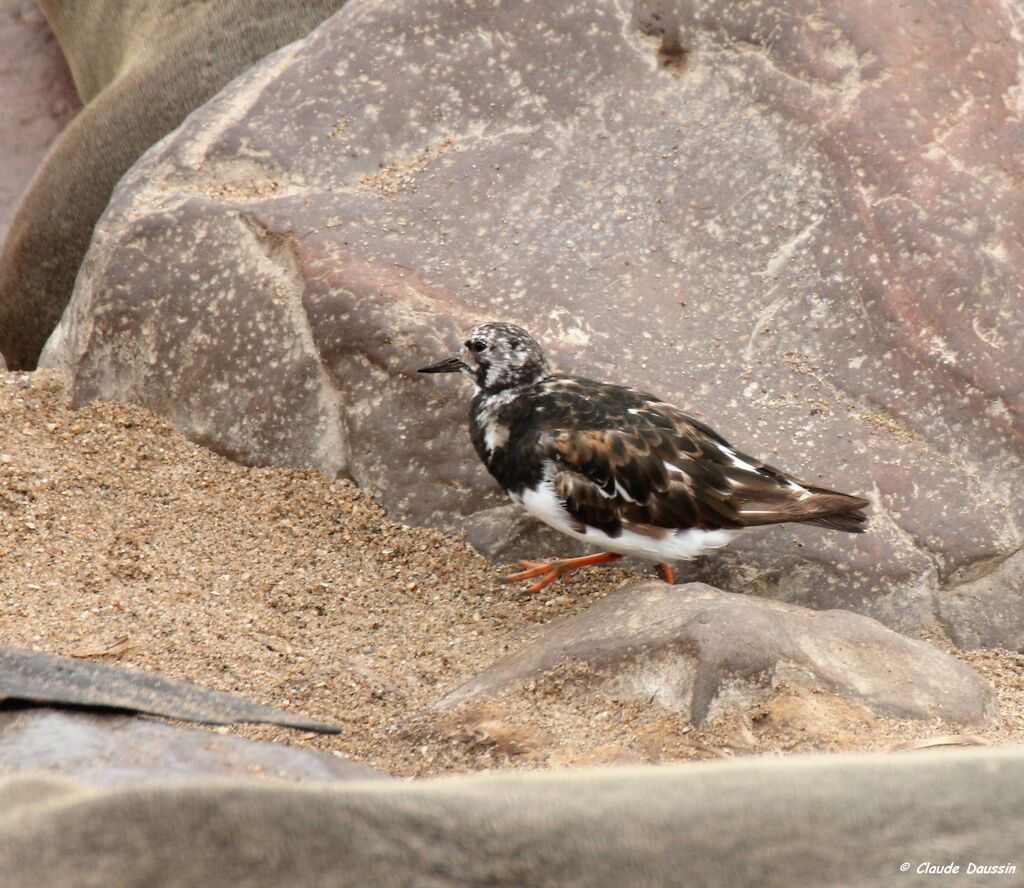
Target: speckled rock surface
x: 802, y: 220
x: 111, y: 750
x: 36, y: 94
x: 700, y: 650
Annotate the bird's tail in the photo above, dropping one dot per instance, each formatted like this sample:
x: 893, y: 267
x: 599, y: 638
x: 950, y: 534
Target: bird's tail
x: 834, y: 510
x: 801, y: 503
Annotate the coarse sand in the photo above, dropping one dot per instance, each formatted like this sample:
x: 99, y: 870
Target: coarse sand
x: 289, y: 588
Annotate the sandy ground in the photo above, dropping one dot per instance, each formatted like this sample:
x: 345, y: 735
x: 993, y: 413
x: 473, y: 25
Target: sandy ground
x: 296, y: 591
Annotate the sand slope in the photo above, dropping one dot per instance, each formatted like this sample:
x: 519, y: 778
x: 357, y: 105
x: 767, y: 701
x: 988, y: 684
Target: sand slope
x: 296, y: 590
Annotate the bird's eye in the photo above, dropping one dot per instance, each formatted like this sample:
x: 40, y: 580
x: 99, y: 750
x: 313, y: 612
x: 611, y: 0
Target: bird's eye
x: 475, y: 345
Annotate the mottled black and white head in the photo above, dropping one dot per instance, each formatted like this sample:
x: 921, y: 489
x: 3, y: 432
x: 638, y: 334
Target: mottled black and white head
x: 496, y: 357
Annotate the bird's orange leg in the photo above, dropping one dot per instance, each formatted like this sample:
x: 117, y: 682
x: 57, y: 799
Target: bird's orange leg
x: 666, y: 573
x: 552, y: 570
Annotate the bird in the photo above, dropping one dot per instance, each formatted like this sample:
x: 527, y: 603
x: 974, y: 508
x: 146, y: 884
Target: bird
x: 617, y: 467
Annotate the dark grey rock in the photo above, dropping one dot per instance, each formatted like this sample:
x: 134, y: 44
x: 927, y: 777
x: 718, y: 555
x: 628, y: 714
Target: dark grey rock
x: 36, y: 677
x: 111, y: 750
x: 800, y: 219
x: 697, y: 649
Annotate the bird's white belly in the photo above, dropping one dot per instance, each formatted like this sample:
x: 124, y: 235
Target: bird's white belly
x: 658, y: 546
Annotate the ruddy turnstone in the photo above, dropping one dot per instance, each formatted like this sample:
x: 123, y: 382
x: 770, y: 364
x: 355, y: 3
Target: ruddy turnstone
x: 617, y: 467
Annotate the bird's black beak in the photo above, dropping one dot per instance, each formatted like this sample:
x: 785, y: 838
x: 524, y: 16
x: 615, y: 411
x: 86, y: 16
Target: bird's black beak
x: 448, y: 365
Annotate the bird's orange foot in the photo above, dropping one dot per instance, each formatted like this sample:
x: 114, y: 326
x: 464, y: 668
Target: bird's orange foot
x: 551, y: 570
x: 666, y: 573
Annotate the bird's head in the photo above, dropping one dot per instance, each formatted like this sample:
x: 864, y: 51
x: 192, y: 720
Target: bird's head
x: 496, y: 357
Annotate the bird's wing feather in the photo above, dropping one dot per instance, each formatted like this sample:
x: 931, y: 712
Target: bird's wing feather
x: 640, y: 477
x: 626, y: 458
x: 637, y: 461
x: 648, y: 464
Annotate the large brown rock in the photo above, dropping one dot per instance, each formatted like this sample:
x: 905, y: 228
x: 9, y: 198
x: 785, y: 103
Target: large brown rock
x: 700, y: 650
x: 37, y: 96
x: 803, y: 219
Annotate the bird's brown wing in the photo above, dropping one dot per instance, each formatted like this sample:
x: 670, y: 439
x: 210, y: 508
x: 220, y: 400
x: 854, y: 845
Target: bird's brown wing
x: 662, y: 468
x: 645, y: 472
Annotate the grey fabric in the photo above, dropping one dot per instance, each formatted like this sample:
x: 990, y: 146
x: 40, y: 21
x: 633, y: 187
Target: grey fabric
x: 836, y: 820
